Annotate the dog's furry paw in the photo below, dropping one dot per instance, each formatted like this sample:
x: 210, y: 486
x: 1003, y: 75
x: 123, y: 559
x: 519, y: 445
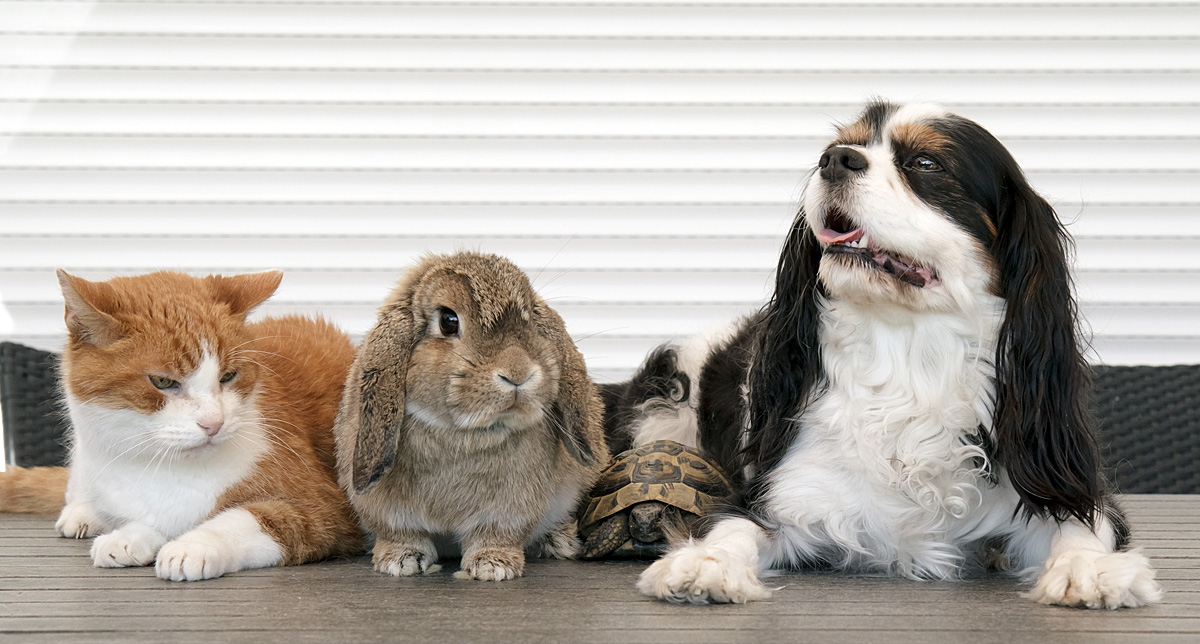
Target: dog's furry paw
x: 405, y: 560
x: 700, y: 574
x: 1093, y: 579
x: 492, y: 564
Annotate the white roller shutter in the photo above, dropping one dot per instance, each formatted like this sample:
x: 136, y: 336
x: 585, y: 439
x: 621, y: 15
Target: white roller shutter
x: 640, y: 159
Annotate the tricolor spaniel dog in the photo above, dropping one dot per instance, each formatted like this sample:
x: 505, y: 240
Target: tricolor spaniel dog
x: 911, y: 401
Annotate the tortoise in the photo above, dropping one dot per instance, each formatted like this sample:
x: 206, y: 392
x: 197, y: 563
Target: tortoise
x: 644, y: 494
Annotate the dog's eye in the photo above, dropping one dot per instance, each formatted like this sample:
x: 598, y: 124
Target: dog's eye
x: 448, y: 322
x: 924, y: 164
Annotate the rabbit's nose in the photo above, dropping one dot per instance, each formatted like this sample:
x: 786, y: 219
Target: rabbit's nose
x: 515, y: 379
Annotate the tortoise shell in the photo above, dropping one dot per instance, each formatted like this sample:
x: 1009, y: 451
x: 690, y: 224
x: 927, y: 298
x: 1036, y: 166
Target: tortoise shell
x: 663, y: 471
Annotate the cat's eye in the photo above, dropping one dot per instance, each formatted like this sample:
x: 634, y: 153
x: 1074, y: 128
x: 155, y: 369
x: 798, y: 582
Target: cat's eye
x: 228, y: 376
x: 923, y: 164
x: 162, y: 382
x: 447, y: 322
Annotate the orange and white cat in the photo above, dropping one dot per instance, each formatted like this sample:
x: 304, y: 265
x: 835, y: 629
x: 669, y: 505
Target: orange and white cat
x: 199, y: 442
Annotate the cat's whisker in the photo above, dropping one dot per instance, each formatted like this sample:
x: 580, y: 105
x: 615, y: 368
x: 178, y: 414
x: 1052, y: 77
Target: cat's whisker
x: 256, y: 338
x: 278, y: 420
x: 270, y: 453
x: 281, y: 443
x: 149, y: 440
x: 255, y: 443
x: 269, y: 353
x: 167, y: 456
x: 265, y: 367
x: 157, y: 453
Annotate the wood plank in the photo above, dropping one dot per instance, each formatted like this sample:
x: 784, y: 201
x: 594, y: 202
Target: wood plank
x: 49, y: 589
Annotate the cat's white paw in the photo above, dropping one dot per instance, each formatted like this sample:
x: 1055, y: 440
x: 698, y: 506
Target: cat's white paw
x: 77, y: 521
x: 132, y: 545
x: 1093, y: 579
x: 701, y: 574
x: 194, y: 557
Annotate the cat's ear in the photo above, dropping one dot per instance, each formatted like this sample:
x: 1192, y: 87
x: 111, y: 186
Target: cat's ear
x: 245, y: 292
x: 86, y: 314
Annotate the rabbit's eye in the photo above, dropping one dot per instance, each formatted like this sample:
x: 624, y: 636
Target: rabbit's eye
x: 448, y: 322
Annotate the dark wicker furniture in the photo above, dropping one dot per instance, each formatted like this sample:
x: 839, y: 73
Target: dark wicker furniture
x: 1149, y: 420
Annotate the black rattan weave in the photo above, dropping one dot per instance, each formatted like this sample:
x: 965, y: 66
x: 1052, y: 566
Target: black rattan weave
x: 1149, y: 420
x: 1150, y: 427
x: 33, y: 424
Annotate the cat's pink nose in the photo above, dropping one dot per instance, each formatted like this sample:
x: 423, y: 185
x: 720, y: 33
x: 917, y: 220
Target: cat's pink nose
x: 211, y: 425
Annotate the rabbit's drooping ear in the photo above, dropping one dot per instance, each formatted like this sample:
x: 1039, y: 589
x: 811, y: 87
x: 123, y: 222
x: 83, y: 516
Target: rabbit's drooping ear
x: 571, y: 413
x: 377, y: 381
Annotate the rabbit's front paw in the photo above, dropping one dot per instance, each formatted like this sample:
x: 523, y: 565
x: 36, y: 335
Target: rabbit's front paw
x: 405, y: 560
x: 492, y: 564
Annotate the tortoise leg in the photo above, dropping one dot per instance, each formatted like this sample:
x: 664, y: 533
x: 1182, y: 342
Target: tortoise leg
x: 608, y: 536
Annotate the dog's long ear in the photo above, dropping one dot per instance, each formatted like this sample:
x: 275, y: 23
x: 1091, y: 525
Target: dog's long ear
x: 576, y: 414
x: 375, y: 389
x: 786, y: 369
x: 1044, y: 434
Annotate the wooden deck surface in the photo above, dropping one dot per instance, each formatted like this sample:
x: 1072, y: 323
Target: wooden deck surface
x: 49, y: 592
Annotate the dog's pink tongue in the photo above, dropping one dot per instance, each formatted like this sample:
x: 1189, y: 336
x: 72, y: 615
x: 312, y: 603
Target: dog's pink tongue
x: 830, y: 236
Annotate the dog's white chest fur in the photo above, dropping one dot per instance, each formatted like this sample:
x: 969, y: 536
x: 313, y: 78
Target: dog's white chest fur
x: 886, y: 473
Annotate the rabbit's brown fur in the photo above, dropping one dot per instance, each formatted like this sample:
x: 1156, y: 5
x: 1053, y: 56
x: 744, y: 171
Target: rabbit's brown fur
x: 434, y: 436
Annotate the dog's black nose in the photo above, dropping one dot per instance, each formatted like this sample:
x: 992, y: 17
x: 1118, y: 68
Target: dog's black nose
x: 840, y: 162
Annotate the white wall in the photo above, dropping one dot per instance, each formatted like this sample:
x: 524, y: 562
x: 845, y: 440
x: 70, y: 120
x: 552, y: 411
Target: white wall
x: 639, y: 159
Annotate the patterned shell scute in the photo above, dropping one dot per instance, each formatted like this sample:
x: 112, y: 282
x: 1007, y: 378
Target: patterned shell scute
x: 663, y: 471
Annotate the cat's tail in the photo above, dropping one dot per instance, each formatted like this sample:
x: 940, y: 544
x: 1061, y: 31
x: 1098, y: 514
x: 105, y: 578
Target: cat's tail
x: 33, y: 490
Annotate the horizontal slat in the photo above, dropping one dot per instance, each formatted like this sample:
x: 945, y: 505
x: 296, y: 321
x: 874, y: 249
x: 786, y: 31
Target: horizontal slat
x: 697, y: 85
x: 614, y: 366
x: 612, y: 359
x: 535, y: 184
x: 303, y: 151
x: 553, y: 253
x: 595, y: 18
x: 1143, y: 351
x: 299, y: 287
x: 583, y: 319
x: 1182, y: 320
x: 533, y: 118
x: 481, y: 219
x: 541, y: 109
x: 491, y: 218
x: 679, y: 318
x: 814, y: 52
x: 1177, y: 287
x: 747, y: 286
